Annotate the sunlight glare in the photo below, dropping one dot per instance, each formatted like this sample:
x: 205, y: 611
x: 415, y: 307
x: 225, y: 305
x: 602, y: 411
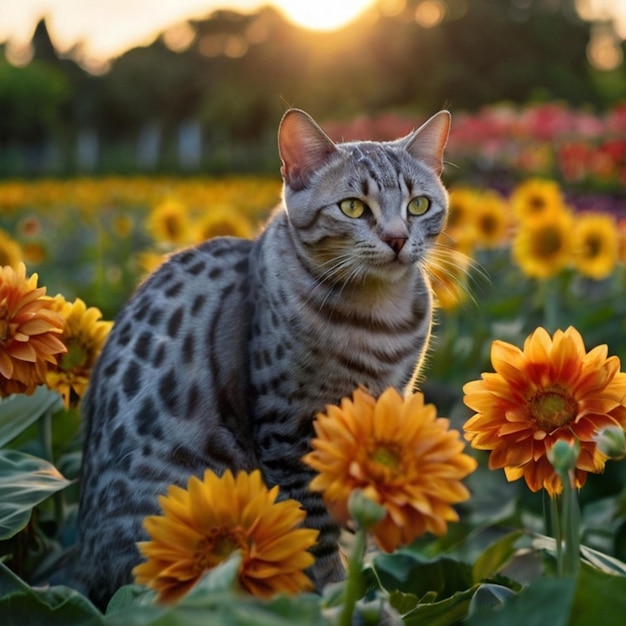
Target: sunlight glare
x: 322, y: 14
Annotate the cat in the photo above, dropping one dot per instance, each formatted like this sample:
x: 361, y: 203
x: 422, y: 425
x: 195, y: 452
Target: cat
x: 224, y: 355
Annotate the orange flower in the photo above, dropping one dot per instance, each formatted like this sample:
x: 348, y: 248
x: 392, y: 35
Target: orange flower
x: 204, y: 524
x: 400, y: 454
x: 84, y: 335
x: 550, y: 390
x: 30, y: 332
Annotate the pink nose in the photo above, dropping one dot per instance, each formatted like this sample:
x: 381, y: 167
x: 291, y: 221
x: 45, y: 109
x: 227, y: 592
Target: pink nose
x: 395, y: 243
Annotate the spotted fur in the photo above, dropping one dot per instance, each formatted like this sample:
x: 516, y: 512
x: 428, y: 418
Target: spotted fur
x: 224, y: 355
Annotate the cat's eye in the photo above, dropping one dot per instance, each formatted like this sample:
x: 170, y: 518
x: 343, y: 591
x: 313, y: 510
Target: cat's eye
x: 418, y: 205
x: 352, y: 207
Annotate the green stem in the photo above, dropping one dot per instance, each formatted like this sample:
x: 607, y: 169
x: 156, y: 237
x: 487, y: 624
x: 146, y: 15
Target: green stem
x: 550, y: 304
x: 354, y: 582
x: 555, y: 516
x: 45, y: 425
x: 571, y: 527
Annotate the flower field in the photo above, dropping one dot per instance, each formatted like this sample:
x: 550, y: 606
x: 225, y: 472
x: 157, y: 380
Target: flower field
x: 495, y: 492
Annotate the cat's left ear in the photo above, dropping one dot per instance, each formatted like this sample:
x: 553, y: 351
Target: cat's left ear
x: 303, y: 147
x: 428, y: 142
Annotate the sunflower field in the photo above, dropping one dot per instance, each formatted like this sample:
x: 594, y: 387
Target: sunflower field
x: 494, y: 495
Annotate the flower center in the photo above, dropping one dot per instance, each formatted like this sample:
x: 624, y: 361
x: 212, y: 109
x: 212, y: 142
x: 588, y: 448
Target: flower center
x: 592, y: 247
x: 387, y: 454
x: 547, y: 242
x: 217, y: 546
x: 536, y: 204
x: 552, y: 408
x: 75, y: 357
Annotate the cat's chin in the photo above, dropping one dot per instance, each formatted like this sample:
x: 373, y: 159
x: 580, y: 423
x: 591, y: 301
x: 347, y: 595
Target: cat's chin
x: 390, y: 272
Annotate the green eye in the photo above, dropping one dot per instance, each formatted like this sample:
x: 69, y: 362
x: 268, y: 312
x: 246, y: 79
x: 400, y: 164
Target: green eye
x: 418, y: 205
x: 352, y: 207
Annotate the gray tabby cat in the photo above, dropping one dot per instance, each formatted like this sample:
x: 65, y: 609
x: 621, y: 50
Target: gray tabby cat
x: 225, y: 354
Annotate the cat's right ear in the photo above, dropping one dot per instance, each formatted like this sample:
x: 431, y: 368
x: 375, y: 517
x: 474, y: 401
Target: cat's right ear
x: 303, y: 147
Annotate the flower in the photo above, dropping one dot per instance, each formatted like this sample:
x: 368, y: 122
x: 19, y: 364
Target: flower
x: 30, y: 332
x: 204, y: 524
x: 10, y: 251
x: 84, y: 335
x: 169, y: 222
x: 221, y: 222
x: 448, y: 270
x: 551, y: 390
x: 536, y: 198
x: 542, y: 247
x: 400, y: 454
x: 595, y: 245
x: 491, y: 220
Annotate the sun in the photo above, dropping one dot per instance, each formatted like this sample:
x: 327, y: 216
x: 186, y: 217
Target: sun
x: 322, y: 14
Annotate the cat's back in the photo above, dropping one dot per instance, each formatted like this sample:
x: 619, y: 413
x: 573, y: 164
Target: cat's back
x: 174, y: 360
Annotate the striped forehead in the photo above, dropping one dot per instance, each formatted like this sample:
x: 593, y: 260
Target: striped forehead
x: 381, y: 164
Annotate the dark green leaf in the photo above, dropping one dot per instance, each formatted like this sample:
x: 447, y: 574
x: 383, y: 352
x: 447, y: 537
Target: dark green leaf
x: 25, y: 481
x: 444, y: 613
x: 18, y: 412
x: 489, y: 596
x: 408, y: 572
x: 546, y: 601
x: 22, y: 605
x: 600, y: 599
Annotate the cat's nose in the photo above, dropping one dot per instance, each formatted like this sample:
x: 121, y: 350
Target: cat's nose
x: 395, y: 243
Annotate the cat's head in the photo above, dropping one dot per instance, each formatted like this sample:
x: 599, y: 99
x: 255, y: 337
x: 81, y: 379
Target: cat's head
x: 363, y: 209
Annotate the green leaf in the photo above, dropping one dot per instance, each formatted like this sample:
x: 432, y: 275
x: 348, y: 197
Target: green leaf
x: 495, y: 556
x: 444, y: 613
x: 410, y: 573
x: 603, y: 562
x: 545, y: 601
x: 18, y: 412
x: 600, y: 599
x: 489, y: 596
x: 25, y: 481
x: 22, y: 605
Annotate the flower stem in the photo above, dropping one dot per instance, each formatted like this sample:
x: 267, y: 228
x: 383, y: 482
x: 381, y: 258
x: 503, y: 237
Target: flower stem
x: 555, y: 518
x: 550, y: 304
x: 571, y: 527
x: 354, y: 582
x: 45, y: 426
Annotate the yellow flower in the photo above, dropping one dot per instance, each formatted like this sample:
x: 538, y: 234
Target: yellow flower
x: 400, y: 454
x: 30, y: 332
x: 542, y: 247
x: 551, y: 390
x: 10, y: 251
x: 221, y: 222
x: 169, y: 222
x: 461, y: 205
x: 84, y: 335
x: 492, y: 222
x: 204, y: 524
x: 595, y: 245
x: 448, y: 270
x: 536, y: 198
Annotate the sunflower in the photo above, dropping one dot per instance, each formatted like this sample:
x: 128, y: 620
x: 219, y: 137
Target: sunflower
x: 551, y: 390
x: 204, y: 524
x: 168, y: 222
x: 595, y: 245
x: 30, y: 332
x: 542, y: 247
x: 461, y: 206
x: 400, y: 454
x: 84, y: 335
x: 10, y: 251
x: 536, y: 198
x: 222, y: 222
x: 448, y: 269
x: 491, y: 220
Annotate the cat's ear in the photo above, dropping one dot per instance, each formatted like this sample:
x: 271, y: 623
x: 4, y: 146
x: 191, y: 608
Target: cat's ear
x: 428, y: 142
x: 303, y: 147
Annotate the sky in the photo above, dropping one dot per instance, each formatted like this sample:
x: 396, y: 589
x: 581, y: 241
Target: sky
x: 107, y: 28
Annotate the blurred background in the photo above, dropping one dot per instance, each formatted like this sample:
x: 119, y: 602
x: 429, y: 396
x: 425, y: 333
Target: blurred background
x: 199, y: 85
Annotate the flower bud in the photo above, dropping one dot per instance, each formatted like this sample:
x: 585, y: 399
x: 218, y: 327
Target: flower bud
x: 364, y: 511
x: 612, y: 442
x: 563, y: 456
